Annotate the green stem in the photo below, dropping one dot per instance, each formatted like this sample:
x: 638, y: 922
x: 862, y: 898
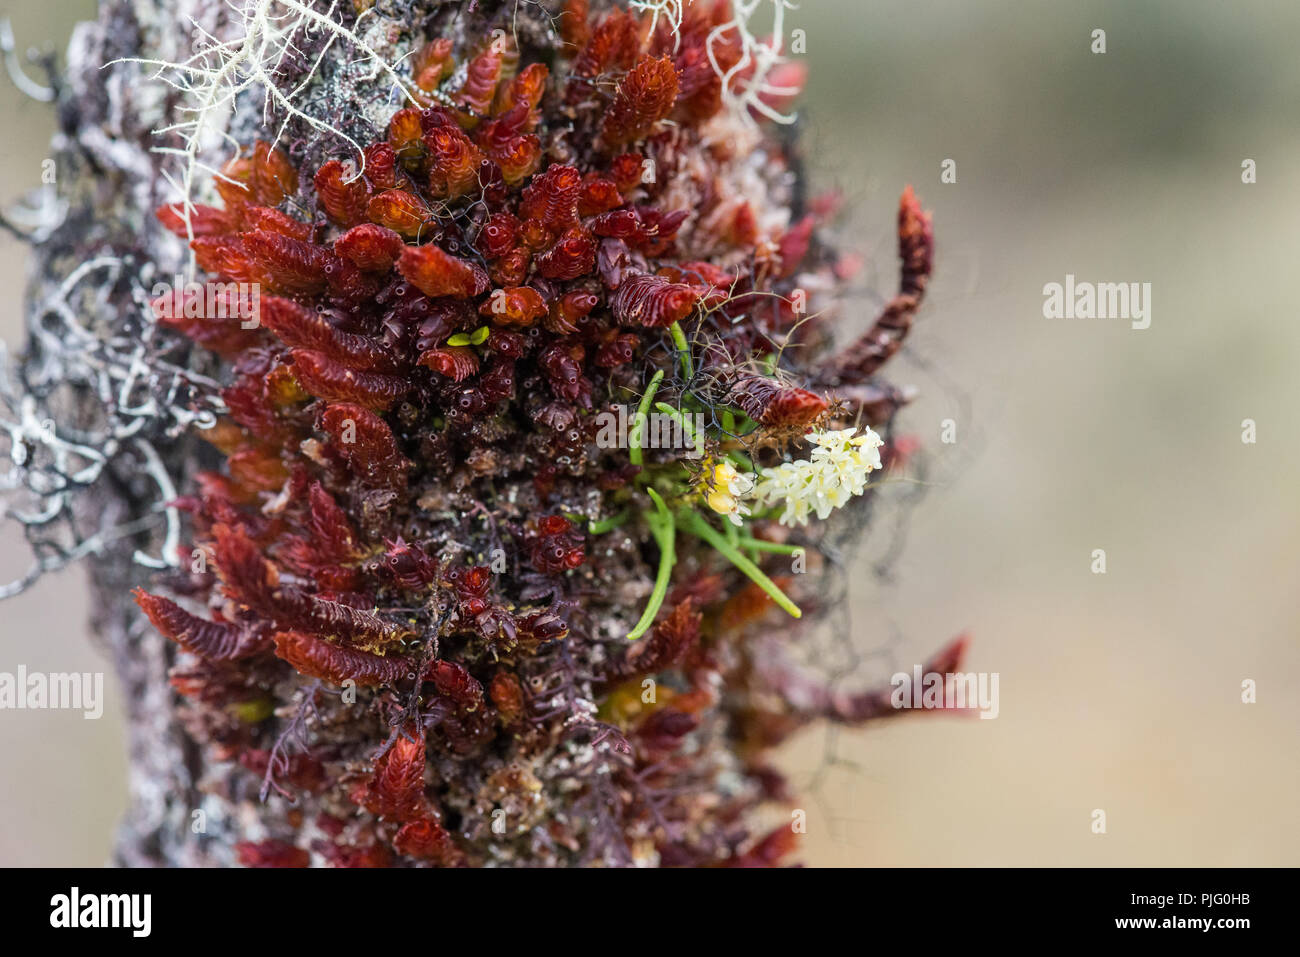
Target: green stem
x: 634, y: 440
x: 758, y: 545
x: 683, y: 350
x: 608, y: 524
x: 693, y: 523
x: 688, y: 430
x: 664, y: 529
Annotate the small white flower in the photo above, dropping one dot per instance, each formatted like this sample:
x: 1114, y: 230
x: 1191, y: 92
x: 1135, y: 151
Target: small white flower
x: 836, y: 471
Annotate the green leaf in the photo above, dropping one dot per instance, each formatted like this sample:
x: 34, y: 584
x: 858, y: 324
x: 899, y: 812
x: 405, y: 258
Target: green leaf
x: 608, y: 524
x: 664, y: 529
x: 634, y: 440
x: 683, y: 350
x: 475, y: 338
x: 697, y: 526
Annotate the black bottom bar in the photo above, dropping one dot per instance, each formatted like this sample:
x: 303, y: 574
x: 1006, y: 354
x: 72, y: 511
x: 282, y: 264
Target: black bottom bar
x: 258, y: 908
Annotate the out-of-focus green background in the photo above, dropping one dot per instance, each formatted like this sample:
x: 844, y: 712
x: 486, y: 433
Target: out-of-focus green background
x: 1118, y: 691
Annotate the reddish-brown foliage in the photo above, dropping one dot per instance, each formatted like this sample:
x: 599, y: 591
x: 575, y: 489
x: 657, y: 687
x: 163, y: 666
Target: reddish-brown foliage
x: 437, y: 273
x: 271, y: 853
x: 396, y: 787
x: 318, y: 658
x: 214, y: 640
x: 427, y: 840
x: 645, y: 96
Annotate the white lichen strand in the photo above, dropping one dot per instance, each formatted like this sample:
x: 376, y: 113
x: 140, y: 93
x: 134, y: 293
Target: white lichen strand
x: 742, y: 94
x: 672, y: 12
x: 28, y: 86
x: 266, y: 36
x: 53, y: 463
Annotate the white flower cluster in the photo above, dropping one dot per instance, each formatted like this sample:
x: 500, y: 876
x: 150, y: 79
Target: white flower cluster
x: 837, y: 470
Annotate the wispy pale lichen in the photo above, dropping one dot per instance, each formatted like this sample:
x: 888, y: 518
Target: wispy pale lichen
x: 264, y: 50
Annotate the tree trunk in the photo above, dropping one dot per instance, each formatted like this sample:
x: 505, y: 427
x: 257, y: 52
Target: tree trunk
x: 93, y: 270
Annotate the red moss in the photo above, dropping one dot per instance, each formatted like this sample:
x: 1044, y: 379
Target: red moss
x: 612, y: 45
x: 329, y: 379
x: 400, y: 211
x: 427, y: 840
x: 885, y: 337
x: 574, y: 26
x: 627, y: 170
x: 507, y: 696
x: 653, y: 301
x: 552, y: 197
x: 381, y: 166
x: 479, y: 88
x: 514, y: 306
x: 283, y: 264
x: 343, y: 194
x: 299, y: 326
x: 318, y: 658
x: 773, y: 404
x: 432, y: 63
x: 457, y: 363
x: 454, y: 162
x: 572, y: 256
x: 409, y: 566
x: 395, y: 789
x: 370, y: 247
x: 203, y: 220
x: 273, y: 178
x: 213, y: 640
x: 645, y: 96
x: 405, y: 132
x: 558, y: 546
x: 436, y: 273
x: 673, y: 638
x: 568, y: 311
x: 454, y: 681
x: 365, y: 441
x: 271, y: 853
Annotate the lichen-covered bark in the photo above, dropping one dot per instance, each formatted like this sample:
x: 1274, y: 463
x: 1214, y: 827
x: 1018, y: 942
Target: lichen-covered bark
x: 111, y: 182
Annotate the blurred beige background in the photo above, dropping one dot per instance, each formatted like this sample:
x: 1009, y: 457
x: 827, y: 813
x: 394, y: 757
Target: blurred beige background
x: 1118, y: 691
